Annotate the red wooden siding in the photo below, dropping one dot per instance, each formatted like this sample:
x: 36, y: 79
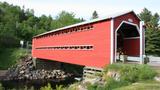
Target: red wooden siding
x: 87, y: 43
x: 131, y: 47
x: 118, y: 20
x: 98, y: 56
x: 135, y: 43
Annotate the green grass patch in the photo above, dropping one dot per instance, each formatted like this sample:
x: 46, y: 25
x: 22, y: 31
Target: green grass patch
x: 109, y: 85
x: 132, y: 77
x: 129, y: 74
x: 132, y: 72
x: 10, y: 56
x: 157, y: 70
x: 1, y: 87
x: 147, y: 85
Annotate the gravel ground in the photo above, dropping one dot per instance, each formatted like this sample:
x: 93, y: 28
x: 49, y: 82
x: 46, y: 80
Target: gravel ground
x: 154, y: 63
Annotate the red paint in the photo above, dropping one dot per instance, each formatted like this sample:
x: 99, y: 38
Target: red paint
x: 131, y: 15
x: 131, y: 47
x: 135, y: 50
x: 99, y: 37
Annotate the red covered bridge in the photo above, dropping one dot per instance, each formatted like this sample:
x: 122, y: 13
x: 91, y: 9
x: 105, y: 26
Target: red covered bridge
x: 94, y: 43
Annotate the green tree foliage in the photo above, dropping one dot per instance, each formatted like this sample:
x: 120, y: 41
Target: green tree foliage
x: 94, y: 15
x: 21, y: 24
x: 145, y: 15
x: 45, y: 22
x: 152, y: 31
x: 7, y: 24
x: 64, y: 19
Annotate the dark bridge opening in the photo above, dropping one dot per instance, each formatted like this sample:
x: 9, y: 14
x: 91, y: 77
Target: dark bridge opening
x: 128, y: 40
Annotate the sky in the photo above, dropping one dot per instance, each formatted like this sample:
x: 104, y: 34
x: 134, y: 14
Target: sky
x: 85, y: 8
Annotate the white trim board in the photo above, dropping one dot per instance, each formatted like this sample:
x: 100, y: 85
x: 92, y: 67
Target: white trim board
x: 141, y: 41
x: 112, y: 42
x: 129, y: 24
x: 132, y: 38
x: 131, y: 58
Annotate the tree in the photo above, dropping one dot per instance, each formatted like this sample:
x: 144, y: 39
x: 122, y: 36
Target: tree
x: 145, y: 15
x: 152, y: 33
x: 21, y: 24
x: 64, y: 19
x: 94, y: 15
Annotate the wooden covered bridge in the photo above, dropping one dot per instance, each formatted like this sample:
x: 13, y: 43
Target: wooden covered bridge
x: 94, y: 43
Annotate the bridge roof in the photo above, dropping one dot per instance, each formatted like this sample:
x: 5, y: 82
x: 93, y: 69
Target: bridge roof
x: 88, y: 22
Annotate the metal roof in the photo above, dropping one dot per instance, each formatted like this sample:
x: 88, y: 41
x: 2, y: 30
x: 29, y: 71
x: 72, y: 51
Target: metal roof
x: 87, y: 22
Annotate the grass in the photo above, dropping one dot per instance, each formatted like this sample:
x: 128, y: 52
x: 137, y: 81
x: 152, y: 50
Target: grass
x: 147, y: 85
x: 157, y: 70
x: 10, y: 56
x: 132, y: 72
x: 128, y: 74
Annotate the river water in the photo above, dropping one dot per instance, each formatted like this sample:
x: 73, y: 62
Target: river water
x: 37, y: 84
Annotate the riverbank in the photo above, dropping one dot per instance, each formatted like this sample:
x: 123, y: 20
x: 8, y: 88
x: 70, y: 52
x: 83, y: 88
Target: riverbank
x: 121, y: 76
x: 25, y: 74
x: 2, y: 74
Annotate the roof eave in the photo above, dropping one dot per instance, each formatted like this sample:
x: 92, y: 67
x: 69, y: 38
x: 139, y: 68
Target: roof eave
x: 88, y: 22
x: 74, y: 25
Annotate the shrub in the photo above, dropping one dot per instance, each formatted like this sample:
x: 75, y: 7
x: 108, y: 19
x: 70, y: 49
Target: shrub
x: 48, y: 87
x: 9, y: 41
x: 1, y: 87
x: 59, y: 87
x: 92, y: 87
x: 129, y: 73
x: 145, y: 72
x: 25, y: 88
x: 95, y: 87
x: 115, y: 67
x: 132, y: 72
x: 73, y: 86
x: 10, y: 56
x: 112, y: 83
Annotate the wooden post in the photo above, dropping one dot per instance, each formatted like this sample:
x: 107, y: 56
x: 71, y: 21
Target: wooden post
x: 141, y: 42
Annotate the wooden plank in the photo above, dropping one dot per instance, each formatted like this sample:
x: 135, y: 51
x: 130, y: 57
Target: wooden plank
x: 91, y: 72
x: 93, y: 68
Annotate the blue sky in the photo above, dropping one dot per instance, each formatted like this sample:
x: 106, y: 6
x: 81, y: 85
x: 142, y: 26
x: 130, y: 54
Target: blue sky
x: 84, y: 8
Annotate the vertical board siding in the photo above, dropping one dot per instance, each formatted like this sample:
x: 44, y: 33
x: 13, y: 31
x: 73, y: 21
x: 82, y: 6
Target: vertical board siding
x: 131, y: 47
x: 99, y: 37
x: 135, y: 51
